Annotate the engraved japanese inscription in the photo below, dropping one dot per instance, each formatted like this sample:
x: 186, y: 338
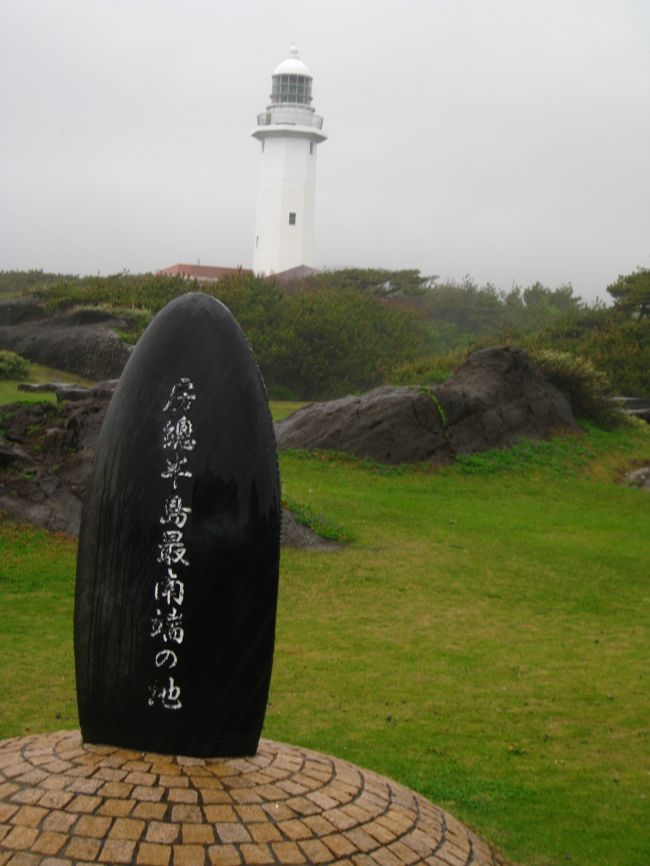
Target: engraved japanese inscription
x: 177, y: 572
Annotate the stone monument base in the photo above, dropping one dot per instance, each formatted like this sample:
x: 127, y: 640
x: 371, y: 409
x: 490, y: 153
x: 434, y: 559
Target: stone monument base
x: 63, y: 802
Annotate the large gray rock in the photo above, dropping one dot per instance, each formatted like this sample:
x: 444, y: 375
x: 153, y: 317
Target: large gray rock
x: 45, y: 465
x: 495, y: 398
x: 81, y: 342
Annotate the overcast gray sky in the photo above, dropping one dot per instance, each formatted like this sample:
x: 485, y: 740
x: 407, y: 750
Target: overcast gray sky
x: 508, y: 140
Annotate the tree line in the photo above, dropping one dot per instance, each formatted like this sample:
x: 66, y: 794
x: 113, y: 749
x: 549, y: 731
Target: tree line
x: 343, y: 331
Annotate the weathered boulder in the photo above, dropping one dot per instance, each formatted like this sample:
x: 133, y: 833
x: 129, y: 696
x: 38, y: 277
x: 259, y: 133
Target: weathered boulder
x: 81, y: 342
x: 66, y: 391
x: 499, y: 396
x: 639, y: 478
x: 390, y: 425
x: 55, y: 450
x: 495, y: 398
x: 46, y: 461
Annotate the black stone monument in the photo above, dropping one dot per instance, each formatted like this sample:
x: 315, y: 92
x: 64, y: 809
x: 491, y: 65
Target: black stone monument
x: 177, y: 572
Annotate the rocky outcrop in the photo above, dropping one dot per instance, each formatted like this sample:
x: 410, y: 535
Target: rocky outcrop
x: 639, y: 478
x: 46, y: 455
x: 53, y: 448
x: 81, y: 342
x: 495, y: 398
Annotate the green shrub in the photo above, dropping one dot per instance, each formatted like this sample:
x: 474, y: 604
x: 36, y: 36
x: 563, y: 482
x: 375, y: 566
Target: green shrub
x: 12, y: 366
x: 427, y: 371
x: 587, y: 388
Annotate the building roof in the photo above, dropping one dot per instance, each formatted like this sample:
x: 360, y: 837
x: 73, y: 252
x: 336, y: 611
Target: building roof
x: 202, y: 272
x: 293, y: 65
x: 292, y: 274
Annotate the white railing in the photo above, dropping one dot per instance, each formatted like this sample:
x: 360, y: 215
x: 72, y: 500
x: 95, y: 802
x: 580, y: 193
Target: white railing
x: 289, y: 116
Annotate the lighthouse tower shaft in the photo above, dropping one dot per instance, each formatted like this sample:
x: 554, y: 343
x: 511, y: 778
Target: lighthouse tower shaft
x: 289, y: 132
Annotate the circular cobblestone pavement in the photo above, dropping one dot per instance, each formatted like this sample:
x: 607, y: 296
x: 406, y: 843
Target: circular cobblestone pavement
x: 65, y: 803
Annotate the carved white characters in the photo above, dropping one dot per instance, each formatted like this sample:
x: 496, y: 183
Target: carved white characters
x: 169, y: 590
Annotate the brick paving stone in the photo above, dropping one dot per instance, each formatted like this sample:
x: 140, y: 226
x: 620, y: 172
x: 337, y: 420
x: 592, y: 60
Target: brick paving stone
x: 115, y: 789
x: 318, y: 825
x: 264, y: 832
x: 152, y: 794
x: 295, y: 829
x: 150, y: 854
x: 149, y: 811
x: 59, y: 821
x: 49, y: 842
x: 82, y: 848
x: 404, y: 855
x: 360, y: 839
x: 189, y: 855
x: 218, y: 814
x: 85, y: 786
x: 279, y: 811
x: 28, y: 796
x: 162, y: 831
x: 315, y: 851
x: 55, y: 799
x: 198, y: 833
x: 183, y: 813
x: 182, y: 795
x: 127, y: 828
x: 116, y: 808
x: 107, y: 774
x: 233, y: 832
x: 117, y: 851
x: 339, y: 845
x: 224, y: 855
x: 24, y: 859
x: 63, y: 803
x: 83, y: 803
x: 250, y: 813
x: 385, y: 857
x: 171, y: 780
x: 257, y: 854
x: 91, y: 825
x: 140, y: 779
x: 288, y: 853
x: 20, y: 838
x: 213, y: 795
x: 55, y: 783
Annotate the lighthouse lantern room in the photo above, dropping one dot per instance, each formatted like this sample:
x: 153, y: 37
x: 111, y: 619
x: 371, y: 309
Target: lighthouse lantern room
x: 289, y: 132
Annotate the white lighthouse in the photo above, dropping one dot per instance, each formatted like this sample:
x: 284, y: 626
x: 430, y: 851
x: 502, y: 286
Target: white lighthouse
x: 289, y: 132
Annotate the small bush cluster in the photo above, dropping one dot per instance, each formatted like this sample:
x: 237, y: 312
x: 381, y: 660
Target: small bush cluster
x: 586, y: 388
x: 427, y: 371
x: 12, y: 366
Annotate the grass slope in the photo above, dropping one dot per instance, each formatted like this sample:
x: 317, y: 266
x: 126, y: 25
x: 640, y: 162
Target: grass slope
x: 484, y: 640
x: 9, y: 392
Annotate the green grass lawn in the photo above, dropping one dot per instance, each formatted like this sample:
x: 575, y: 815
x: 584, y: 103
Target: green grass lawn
x: 484, y: 639
x: 9, y: 392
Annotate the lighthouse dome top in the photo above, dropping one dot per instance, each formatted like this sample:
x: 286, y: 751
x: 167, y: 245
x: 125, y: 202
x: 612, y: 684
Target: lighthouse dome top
x: 293, y: 65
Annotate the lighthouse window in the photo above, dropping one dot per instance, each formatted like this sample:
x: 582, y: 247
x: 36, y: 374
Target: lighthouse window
x: 291, y: 88
x: 292, y: 219
x: 311, y: 147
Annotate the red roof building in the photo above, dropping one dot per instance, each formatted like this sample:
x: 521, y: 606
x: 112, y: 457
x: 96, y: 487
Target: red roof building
x: 202, y: 273
x: 210, y: 274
